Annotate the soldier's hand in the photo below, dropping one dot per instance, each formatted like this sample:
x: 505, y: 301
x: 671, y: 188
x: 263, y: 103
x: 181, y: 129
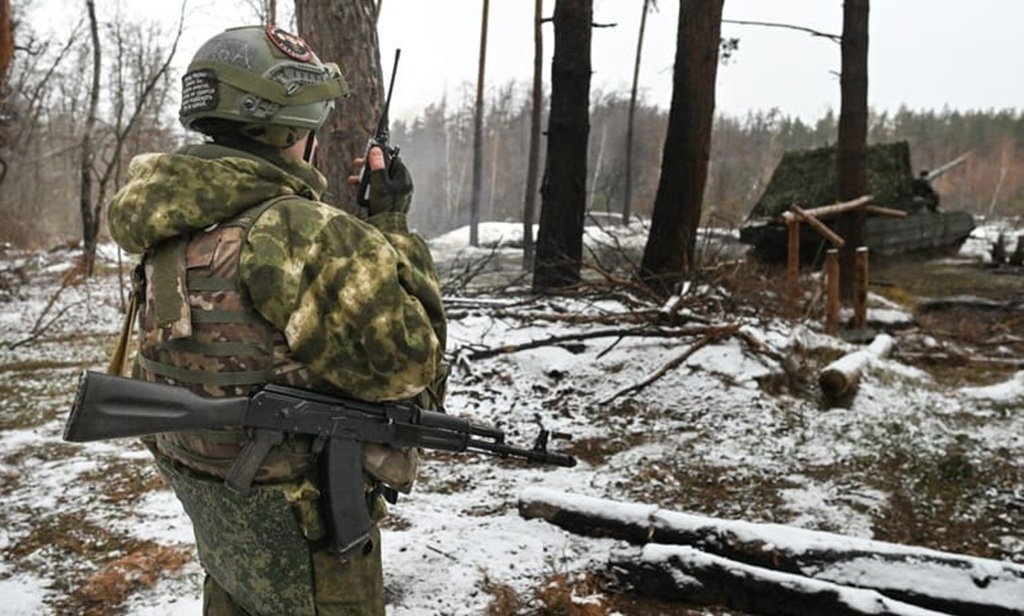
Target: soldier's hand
x: 390, y: 183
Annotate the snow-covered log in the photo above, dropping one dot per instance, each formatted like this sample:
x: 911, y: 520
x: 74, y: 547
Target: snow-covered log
x: 942, y: 581
x: 839, y: 379
x: 686, y: 574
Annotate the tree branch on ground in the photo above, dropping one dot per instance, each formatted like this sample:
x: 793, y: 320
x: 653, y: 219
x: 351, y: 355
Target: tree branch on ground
x: 713, y: 334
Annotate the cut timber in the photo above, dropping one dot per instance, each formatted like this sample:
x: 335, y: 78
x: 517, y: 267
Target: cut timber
x: 839, y: 379
x: 835, y: 209
x: 967, y: 302
x: 681, y: 573
x: 941, y: 581
x: 820, y: 227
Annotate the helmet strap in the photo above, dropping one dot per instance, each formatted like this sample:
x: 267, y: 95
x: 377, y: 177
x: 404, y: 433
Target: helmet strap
x: 310, y: 141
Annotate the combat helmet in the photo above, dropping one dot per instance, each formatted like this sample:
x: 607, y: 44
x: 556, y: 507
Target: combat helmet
x: 263, y: 82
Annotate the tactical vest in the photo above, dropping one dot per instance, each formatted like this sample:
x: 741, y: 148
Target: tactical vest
x: 199, y: 330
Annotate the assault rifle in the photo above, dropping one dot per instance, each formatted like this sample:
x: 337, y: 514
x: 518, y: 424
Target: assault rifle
x: 379, y: 139
x: 108, y: 406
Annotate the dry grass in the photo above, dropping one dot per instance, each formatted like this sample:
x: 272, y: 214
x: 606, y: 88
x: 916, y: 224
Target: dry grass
x: 105, y: 590
x: 588, y: 594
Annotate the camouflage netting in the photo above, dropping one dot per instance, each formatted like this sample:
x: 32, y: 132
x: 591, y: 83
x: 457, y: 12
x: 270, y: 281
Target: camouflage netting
x: 808, y: 177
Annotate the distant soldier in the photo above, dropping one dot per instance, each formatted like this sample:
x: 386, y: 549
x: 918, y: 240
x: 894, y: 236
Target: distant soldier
x: 924, y: 194
x: 1017, y: 258
x: 999, y: 250
x: 247, y: 279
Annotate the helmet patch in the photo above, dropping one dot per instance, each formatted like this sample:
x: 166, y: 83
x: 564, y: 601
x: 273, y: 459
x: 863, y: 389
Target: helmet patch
x: 199, y: 92
x: 293, y: 45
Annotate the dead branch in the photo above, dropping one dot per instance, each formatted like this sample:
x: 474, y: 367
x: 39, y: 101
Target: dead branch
x: 642, y: 331
x: 711, y: 335
x: 652, y: 318
x: 835, y: 38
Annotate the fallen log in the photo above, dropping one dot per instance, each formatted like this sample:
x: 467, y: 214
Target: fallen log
x: 839, y: 380
x: 932, y: 579
x: 686, y: 574
x: 968, y: 302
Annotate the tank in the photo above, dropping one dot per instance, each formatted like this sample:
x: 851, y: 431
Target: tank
x: 808, y: 178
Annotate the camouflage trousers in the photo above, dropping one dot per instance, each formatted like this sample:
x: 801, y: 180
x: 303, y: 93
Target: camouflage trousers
x: 352, y: 588
x: 265, y: 553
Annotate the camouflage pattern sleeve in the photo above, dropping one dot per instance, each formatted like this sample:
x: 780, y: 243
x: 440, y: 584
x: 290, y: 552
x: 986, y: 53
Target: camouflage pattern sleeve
x: 361, y: 308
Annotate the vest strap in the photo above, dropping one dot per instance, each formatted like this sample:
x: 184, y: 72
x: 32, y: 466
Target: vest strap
x: 210, y: 283
x: 216, y: 349
x: 220, y: 379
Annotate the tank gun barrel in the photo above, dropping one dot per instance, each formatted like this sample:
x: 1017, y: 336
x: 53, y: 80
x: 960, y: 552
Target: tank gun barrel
x: 947, y: 167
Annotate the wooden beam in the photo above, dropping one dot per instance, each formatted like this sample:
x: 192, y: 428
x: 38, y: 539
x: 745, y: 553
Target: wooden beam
x: 826, y: 211
x: 793, y: 258
x: 819, y: 226
x: 832, y: 292
x: 860, y: 287
x: 877, y: 210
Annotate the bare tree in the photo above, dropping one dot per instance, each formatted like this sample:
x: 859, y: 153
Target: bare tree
x: 563, y: 189
x: 478, y: 129
x: 140, y: 75
x: 346, y: 33
x: 851, y: 147
x: 669, y: 253
x: 6, y: 54
x: 627, y: 201
x: 533, y: 162
x: 90, y: 214
x: 139, y: 72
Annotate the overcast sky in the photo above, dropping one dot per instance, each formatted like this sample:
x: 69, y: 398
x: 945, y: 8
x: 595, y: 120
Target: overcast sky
x: 926, y: 54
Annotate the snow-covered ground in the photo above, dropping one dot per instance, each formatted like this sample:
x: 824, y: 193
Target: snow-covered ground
x: 730, y: 429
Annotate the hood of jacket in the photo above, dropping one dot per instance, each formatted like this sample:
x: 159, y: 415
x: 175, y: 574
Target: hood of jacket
x: 168, y: 195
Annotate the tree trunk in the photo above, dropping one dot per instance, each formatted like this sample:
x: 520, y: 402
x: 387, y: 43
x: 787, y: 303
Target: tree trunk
x: 346, y: 33
x: 688, y: 575
x: 530, y: 203
x: 6, y: 41
x: 627, y: 200
x: 943, y: 581
x: 564, y: 187
x: 90, y: 217
x: 478, y: 134
x: 851, y: 150
x: 671, y: 245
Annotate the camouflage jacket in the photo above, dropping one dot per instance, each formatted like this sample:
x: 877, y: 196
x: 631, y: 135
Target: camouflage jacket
x: 358, y: 301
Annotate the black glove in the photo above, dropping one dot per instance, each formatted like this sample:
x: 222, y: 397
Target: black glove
x: 390, y: 188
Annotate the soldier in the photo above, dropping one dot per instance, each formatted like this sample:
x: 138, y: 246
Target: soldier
x: 247, y: 278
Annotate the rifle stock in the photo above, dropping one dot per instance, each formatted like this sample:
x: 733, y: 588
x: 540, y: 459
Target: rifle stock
x: 108, y: 406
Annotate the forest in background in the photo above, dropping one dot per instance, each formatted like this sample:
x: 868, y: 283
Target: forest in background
x: 38, y: 196
x: 745, y: 150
